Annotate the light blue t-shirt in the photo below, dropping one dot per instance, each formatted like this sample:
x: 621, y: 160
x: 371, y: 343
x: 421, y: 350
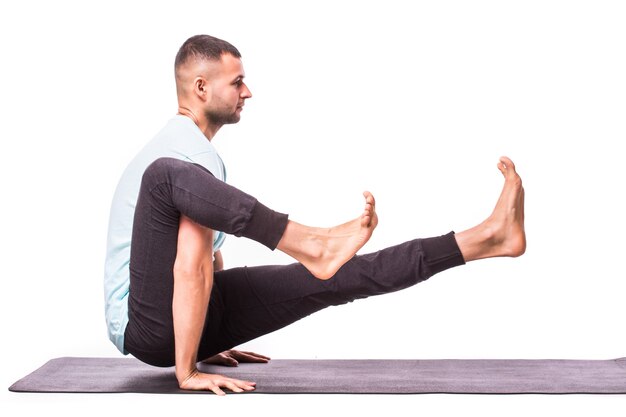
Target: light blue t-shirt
x: 180, y: 139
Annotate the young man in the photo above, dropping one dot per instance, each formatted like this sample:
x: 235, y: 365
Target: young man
x: 168, y: 301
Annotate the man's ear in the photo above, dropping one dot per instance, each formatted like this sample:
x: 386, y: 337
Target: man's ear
x: 202, y: 89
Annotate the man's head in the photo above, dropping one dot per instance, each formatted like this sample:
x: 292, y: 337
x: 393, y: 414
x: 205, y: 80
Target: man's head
x: 209, y: 79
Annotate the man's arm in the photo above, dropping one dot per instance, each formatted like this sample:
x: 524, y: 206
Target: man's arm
x: 193, y: 280
x: 218, y: 261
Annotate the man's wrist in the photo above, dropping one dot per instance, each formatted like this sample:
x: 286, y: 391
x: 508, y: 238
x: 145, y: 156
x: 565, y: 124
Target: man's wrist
x: 185, y: 375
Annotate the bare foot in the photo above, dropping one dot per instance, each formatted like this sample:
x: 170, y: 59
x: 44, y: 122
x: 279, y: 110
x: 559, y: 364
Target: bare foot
x: 502, y: 234
x: 324, y: 250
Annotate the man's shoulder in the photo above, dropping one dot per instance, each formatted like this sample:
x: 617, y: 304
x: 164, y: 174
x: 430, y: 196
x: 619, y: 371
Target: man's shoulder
x: 180, y: 139
x: 181, y: 136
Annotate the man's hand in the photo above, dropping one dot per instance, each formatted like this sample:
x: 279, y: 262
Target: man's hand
x: 233, y: 357
x: 218, y: 261
x: 200, y: 381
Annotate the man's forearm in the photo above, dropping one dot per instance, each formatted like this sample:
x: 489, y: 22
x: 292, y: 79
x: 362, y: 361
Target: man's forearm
x: 193, y: 280
x: 192, y: 292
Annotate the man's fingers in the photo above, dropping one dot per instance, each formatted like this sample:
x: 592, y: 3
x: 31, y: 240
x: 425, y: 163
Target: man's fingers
x: 232, y: 386
x: 213, y: 382
x: 237, y: 385
x: 216, y: 389
x: 247, y: 385
x: 252, y: 355
x: 232, y: 358
x: 257, y: 358
x: 222, y: 359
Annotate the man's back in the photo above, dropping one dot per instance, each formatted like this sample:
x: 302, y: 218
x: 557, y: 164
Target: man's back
x: 180, y: 139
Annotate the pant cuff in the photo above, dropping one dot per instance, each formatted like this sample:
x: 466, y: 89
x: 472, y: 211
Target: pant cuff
x: 266, y: 226
x: 441, y: 253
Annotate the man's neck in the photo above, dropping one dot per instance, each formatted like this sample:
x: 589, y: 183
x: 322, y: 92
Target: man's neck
x: 208, y: 129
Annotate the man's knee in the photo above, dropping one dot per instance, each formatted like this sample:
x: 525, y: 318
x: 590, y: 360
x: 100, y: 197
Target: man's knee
x: 163, y: 170
x: 166, y: 168
x: 163, y: 167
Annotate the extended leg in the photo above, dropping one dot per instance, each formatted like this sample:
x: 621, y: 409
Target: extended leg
x: 251, y: 302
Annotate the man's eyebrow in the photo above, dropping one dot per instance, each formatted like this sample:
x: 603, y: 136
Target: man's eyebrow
x: 239, y: 77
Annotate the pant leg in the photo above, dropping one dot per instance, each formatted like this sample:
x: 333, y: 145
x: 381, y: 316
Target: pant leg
x: 169, y: 188
x: 251, y: 302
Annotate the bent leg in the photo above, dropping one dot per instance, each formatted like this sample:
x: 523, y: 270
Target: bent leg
x: 259, y: 300
x: 171, y: 188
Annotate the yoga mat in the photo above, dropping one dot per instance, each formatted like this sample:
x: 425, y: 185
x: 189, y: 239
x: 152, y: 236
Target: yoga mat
x: 491, y: 376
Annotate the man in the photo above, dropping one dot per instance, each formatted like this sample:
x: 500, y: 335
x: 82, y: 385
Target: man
x: 168, y: 300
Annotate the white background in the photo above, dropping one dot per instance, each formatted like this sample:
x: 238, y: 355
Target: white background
x: 414, y: 101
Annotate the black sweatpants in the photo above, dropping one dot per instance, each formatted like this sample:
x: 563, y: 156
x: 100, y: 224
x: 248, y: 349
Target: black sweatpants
x: 245, y: 302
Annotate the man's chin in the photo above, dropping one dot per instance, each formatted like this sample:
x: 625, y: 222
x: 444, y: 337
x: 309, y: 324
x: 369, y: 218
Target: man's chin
x: 233, y: 120
x: 236, y: 117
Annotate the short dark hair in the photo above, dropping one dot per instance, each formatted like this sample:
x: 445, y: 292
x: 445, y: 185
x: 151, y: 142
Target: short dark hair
x: 204, y: 47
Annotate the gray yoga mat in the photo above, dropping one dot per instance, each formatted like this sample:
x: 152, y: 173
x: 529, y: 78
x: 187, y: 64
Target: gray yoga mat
x: 492, y: 376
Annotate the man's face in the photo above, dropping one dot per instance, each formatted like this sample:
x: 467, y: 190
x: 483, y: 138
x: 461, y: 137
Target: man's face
x: 229, y: 92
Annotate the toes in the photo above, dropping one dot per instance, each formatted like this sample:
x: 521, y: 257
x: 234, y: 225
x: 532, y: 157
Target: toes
x: 508, y: 164
x: 507, y: 161
x: 369, y: 198
x: 507, y: 168
x: 502, y: 168
x: 370, y: 209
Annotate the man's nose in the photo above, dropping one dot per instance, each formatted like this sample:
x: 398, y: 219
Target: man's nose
x: 246, y: 93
